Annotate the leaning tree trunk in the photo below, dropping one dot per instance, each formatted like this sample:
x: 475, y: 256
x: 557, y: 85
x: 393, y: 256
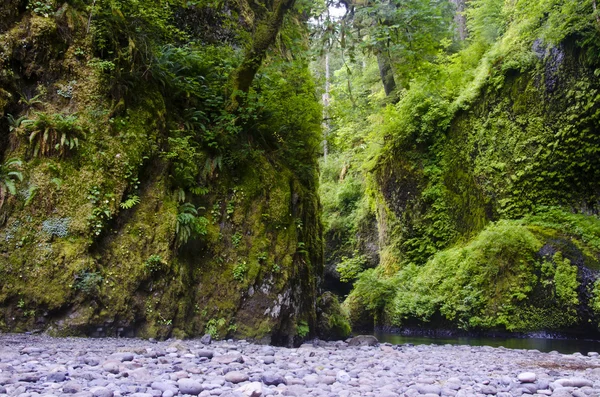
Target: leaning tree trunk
x: 386, y: 72
x: 265, y: 34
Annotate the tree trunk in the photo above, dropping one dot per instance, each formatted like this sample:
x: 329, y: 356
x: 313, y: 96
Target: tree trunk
x: 265, y: 35
x: 460, y: 19
x: 326, y: 108
x: 385, y: 72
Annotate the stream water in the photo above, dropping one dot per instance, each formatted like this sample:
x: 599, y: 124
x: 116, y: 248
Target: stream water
x: 565, y: 346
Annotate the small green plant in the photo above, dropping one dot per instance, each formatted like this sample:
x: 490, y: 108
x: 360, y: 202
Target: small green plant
x: 275, y: 268
x: 232, y: 328
x: 9, y: 174
x: 163, y: 321
x: 230, y: 209
x: 213, y: 327
x: 42, y: 8
x: 302, y: 329
x: 54, y: 134
x: 350, y: 268
x: 14, y: 124
x: 100, y: 216
x: 131, y: 202
x: 239, y: 271
x: 21, y: 304
x: 216, y: 212
x: 236, y: 239
x: 189, y: 224
x: 154, y: 263
x: 88, y: 282
x: 30, y: 102
x: 31, y: 193
x: 57, y: 182
x: 302, y: 248
x: 102, y: 66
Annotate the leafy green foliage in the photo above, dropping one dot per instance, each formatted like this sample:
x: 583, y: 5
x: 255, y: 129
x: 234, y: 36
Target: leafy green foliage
x: 9, y: 174
x: 214, y: 327
x: 236, y: 239
x: 302, y: 329
x: 88, y: 282
x: 54, y: 134
x: 130, y: 202
x: 350, y: 268
x: 496, y: 280
x: 239, y: 271
x: 126, y: 34
x: 154, y: 264
x: 189, y: 224
x: 408, y: 31
x: 41, y: 7
x: 565, y: 281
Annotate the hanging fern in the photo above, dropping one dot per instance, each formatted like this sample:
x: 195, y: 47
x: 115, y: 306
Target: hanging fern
x: 54, y: 134
x: 130, y: 202
x: 8, y: 176
x: 189, y: 224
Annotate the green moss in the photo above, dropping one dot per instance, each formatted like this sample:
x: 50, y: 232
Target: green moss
x: 510, y: 276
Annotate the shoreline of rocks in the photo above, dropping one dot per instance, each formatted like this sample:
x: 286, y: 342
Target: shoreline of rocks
x: 32, y: 366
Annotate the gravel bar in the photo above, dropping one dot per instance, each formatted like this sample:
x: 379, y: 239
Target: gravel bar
x: 108, y: 367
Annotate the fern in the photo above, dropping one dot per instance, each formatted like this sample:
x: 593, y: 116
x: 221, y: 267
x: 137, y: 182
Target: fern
x: 199, y: 191
x: 31, y: 193
x: 14, y: 124
x: 31, y: 102
x: 130, y: 202
x: 57, y: 182
x: 8, y: 175
x: 189, y: 224
x: 181, y: 195
x: 54, y: 134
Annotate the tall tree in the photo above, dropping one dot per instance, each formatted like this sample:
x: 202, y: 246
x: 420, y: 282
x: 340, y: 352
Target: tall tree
x: 460, y: 19
x: 400, y: 33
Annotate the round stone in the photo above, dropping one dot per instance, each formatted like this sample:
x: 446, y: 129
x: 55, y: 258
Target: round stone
x: 527, y: 377
x: 236, y: 377
x: 271, y: 379
x: 189, y: 386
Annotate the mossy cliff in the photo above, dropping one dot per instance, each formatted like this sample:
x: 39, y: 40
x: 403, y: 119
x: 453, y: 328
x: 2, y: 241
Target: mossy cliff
x: 144, y: 208
x: 486, y: 190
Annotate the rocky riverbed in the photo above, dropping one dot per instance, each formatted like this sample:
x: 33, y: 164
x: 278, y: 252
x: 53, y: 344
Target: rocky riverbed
x: 43, y: 366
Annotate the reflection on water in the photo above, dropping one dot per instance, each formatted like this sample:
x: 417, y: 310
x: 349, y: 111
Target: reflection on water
x: 565, y: 346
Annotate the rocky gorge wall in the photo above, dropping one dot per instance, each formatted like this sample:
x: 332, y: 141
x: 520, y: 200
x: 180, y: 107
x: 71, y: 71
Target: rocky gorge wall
x: 487, y: 202
x: 99, y: 235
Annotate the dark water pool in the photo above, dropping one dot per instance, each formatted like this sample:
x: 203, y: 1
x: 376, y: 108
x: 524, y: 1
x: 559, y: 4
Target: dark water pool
x: 565, y: 346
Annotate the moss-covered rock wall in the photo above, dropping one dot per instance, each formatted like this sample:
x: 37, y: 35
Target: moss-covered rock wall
x: 97, y: 237
x: 463, y: 186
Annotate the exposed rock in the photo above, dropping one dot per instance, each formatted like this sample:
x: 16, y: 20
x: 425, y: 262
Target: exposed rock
x: 527, y: 377
x: 236, y: 377
x: 253, y: 389
x: 189, y: 386
x: 363, y: 340
x: 270, y: 378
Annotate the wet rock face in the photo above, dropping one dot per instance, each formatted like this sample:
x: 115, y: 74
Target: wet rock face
x: 9, y: 11
x: 328, y: 369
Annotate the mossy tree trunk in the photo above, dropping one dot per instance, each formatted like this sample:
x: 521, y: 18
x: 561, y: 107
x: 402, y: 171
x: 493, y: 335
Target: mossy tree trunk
x: 265, y: 33
x: 385, y: 71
